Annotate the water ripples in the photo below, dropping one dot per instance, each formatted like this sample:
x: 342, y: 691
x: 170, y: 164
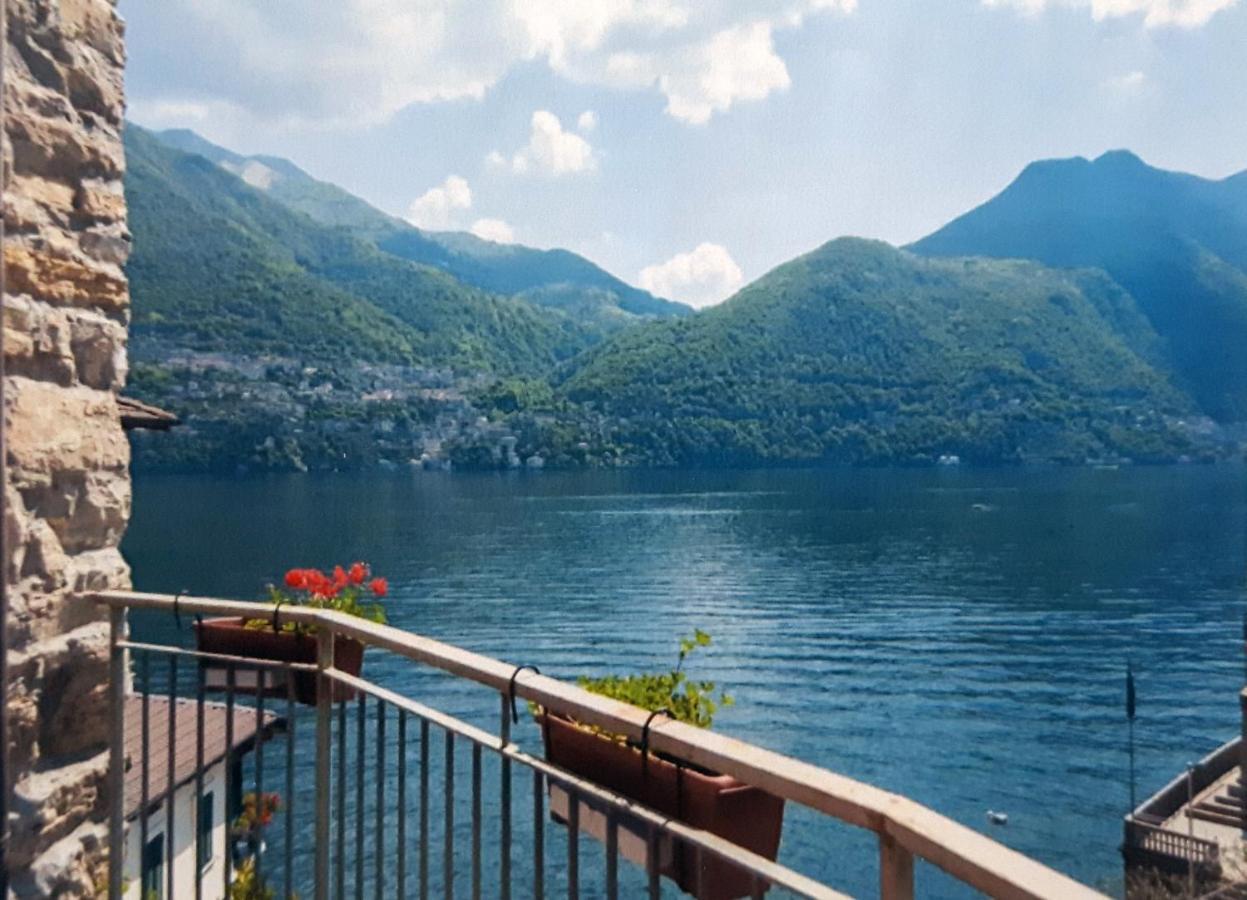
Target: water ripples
x: 957, y: 636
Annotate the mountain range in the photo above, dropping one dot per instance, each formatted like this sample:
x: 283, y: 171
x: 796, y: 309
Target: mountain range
x: 555, y: 278
x: 860, y: 352
x: 1090, y: 311
x: 1176, y: 242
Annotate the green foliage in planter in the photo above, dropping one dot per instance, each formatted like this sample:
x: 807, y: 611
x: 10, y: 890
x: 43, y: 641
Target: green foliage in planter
x: 685, y: 699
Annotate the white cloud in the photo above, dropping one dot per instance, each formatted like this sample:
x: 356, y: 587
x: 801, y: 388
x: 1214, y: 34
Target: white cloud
x: 1126, y: 83
x: 437, y: 207
x: 1155, y: 13
x: 167, y: 113
x: 342, y: 63
x: 702, y: 277
x: 587, y: 121
x: 550, y: 150
x: 494, y: 230
x: 738, y: 63
x: 563, y: 31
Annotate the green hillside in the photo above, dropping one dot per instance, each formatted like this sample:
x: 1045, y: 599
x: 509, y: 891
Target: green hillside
x: 862, y: 353
x: 218, y: 265
x: 557, y: 278
x: 288, y: 342
x: 1176, y: 242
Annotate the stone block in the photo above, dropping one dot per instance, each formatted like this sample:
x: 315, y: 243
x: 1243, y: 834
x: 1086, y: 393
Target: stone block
x: 98, y: 200
x: 57, y: 146
x: 58, y: 278
x: 73, y: 697
x: 99, y: 350
x: 37, y: 341
x: 52, y: 803
x: 108, y: 243
x: 54, y: 429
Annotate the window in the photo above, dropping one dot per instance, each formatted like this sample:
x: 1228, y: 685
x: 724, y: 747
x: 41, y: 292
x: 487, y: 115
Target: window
x: 154, y: 868
x: 206, y: 806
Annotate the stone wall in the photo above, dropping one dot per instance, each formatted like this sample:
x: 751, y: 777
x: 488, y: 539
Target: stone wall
x: 67, y: 493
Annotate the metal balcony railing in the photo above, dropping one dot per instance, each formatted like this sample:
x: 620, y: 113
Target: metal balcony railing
x: 327, y: 842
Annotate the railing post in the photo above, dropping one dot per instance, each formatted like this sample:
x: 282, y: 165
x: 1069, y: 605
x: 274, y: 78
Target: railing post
x: 116, y: 749
x: 896, y: 870
x: 504, y: 851
x: 324, y: 715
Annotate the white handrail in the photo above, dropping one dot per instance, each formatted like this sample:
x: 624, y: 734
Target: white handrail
x: 968, y: 856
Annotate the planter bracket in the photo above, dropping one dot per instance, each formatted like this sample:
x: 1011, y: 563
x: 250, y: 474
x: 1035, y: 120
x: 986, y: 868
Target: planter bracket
x: 515, y: 716
x: 645, y: 737
x: 177, y: 611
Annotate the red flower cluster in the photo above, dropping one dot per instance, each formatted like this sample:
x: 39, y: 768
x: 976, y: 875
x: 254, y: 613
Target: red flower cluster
x: 258, y: 811
x: 318, y: 584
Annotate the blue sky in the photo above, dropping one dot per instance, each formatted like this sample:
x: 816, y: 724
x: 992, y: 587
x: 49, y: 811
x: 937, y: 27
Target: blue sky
x: 691, y: 145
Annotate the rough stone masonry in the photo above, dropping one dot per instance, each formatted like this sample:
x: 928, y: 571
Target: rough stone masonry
x: 67, y: 492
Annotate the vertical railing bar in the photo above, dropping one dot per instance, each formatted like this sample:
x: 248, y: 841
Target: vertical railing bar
x: 340, y: 787
x: 324, y: 754
x: 539, y: 836
x: 260, y: 687
x: 504, y: 860
x: 573, y: 845
x: 652, y: 863
x: 379, y: 851
x: 230, y: 677
x: 756, y: 890
x: 612, y: 856
x: 170, y: 784
x: 145, y: 771
x: 116, y: 751
x: 401, y: 873
x: 288, y: 873
x: 448, y: 846
x: 424, y: 809
x: 360, y: 738
x: 476, y: 821
x: 199, y: 773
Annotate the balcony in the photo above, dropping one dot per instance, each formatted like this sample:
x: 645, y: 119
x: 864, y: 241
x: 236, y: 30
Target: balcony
x: 385, y: 796
x: 1193, y: 828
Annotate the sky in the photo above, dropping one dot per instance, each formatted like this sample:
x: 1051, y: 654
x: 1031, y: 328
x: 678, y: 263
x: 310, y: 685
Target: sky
x: 689, y: 146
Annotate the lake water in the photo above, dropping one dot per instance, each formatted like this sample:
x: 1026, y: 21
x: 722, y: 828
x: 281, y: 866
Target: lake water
x: 958, y: 636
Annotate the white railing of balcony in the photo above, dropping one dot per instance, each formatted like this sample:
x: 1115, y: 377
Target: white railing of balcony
x: 905, y: 829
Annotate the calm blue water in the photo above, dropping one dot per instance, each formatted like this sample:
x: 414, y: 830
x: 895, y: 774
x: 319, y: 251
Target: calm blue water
x: 957, y: 636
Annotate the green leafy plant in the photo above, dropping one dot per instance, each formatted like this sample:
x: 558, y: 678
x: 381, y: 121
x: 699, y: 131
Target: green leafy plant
x: 247, y: 831
x: 248, y: 884
x: 343, y: 591
x: 685, y: 699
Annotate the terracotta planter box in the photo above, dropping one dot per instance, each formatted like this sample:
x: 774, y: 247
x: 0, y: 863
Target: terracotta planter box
x: 228, y: 636
x: 747, y: 816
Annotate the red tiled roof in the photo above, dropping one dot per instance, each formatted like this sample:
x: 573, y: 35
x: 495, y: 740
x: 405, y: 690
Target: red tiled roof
x: 185, y: 737
x: 136, y: 414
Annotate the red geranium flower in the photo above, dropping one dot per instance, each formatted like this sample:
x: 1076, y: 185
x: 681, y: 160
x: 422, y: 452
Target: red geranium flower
x: 339, y: 577
x: 358, y: 572
x: 379, y: 586
x: 317, y: 583
x: 297, y: 579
